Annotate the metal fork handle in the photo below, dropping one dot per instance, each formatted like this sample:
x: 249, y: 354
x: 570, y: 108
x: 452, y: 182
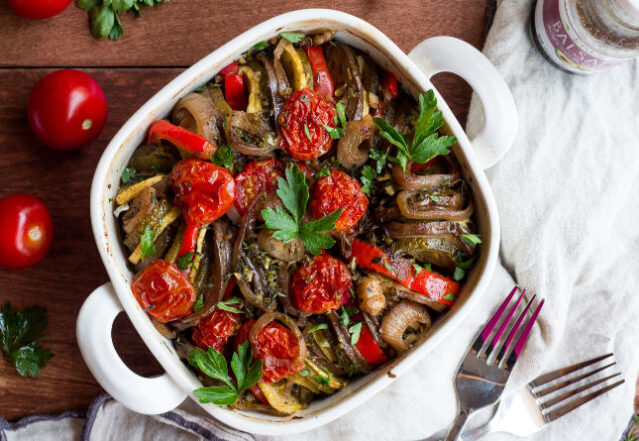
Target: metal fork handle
x: 458, y: 426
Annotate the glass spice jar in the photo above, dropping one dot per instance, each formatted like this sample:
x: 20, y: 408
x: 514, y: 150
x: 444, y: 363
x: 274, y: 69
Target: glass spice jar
x: 586, y: 36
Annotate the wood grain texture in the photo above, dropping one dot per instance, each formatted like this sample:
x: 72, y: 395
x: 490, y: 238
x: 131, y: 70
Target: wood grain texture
x: 62, y: 180
x: 197, y: 27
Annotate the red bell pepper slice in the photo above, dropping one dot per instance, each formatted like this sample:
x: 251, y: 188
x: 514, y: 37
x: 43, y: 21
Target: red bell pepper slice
x: 321, y: 78
x: 181, y: 138
x: 389, y: 85
x: 234, y: 92
x: 231, y: 69
x: 367, y: 346
x: 428, y: 283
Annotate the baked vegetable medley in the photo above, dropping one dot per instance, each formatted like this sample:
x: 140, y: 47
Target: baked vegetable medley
x: 296, y: 223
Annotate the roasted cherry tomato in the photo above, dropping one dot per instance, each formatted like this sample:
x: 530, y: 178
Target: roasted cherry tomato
x: 67, y: 109
x: 277, y: 347
x: 322, y: 78
x: 302, y: 120
x: 164, y: 291
x: 319, y: 286
x: 257, y: 177
x: 26, y: 231
x: 338, y: 190
x: 38, y: 9
x: 215, y: 329
x: 422, y: 281
x: 367, y: 346
x: 204, y: 192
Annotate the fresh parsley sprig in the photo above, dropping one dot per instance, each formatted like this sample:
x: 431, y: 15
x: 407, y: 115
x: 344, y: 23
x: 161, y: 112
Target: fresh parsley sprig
x: 247, y: 373
x: 104, y: 14
x: 369, y: 173
x: 293, y: 192
x: 224, y: 156
x: 293, y: 37
x: 337, y: 132
x: 427, y: 143
x: 19, y: 331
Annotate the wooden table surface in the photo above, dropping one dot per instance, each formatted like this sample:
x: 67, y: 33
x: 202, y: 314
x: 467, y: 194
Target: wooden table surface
x: 154, y: 49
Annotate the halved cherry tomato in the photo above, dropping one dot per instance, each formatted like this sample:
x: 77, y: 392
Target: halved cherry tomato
x: 276, y: 346
x: 389, y: 85
x: 257, y: 177
x: 302, y: 120
x: 215, y: 329
x: 67, y: 109
x: 181, y: 138
x: 430, y: 284
x: 322, y: 79
x: 234, y: 92
x: 164, y: 291
x: 320, y: 286
x: 26, y: 231
x: 335, y: 191
x: 204, y: 192
x: 38, y: 9
x: 367, y: 346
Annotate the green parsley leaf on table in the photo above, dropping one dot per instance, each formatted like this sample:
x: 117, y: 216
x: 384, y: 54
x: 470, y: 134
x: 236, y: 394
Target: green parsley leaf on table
x: 293, y: 192
x: 213, y: 364
x: 104, y: 18
x: 292, y: 37
x: 18, y: 332
x: 426, y: 144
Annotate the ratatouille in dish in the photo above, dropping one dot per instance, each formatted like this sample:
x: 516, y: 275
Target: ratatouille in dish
x: 296, y: 223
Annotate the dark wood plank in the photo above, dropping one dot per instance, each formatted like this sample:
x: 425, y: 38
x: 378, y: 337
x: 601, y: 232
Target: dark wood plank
x: 182, y: 31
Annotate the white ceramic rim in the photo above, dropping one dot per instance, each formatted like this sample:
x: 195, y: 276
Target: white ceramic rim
x: 116, y: 155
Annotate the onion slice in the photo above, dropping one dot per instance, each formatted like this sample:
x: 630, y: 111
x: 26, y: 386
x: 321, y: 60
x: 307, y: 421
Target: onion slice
x: 407, y: 180
x: 255, y: 125
x: 197, y: 113
x: 349, y: 151
x: 436, y: 211
x: 398, y: 319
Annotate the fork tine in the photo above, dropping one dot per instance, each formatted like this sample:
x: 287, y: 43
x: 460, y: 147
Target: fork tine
x: 547, y: 378
x: 571, y: 393
x: 506, y: 321
x: 523, y: 338
x: 556, y: 387
x: 563, y: 410
x: 485, y: 333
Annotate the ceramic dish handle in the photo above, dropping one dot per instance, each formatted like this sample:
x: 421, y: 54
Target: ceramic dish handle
x: 448, y: 54
x: 140, y: 394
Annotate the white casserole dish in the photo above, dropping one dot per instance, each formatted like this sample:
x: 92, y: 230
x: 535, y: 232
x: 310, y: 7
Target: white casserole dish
x: 163, y: 393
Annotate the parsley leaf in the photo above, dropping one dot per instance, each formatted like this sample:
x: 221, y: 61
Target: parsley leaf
x: 293, y: 193
x: 199, y: 303
x: 18, y: 332
x: 323, y: 171
x: 379, y: 158
x: 459, y: 274
x: 337, y: 132
x: 418, y: 268
x: 224, y: 156
x: 185, y: 261
x: 103, y: 15
x: 312, y: 238
x: 247, y: 373
x: 292, y: 37
x: 367, y: 178
x: 318, y: 327
x: 146, y: 242
x: 355, y: 331
x: 127, y: 174
x: 307, y: 133
x: 450, y: 297
x: 426, y: 143
x: 471, y: 239
x: 260, y: 45
x: 225, y: 305
x: 435, y: 198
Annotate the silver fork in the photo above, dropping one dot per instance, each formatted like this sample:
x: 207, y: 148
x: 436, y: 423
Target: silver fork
x: 482, y: 376
x: 545, y: 399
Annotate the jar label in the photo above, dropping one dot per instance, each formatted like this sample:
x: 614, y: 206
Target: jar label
x: 556, y: 35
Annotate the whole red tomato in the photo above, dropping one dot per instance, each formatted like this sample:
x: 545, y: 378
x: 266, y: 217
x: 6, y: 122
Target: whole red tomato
x: 164, y: 291
x: 277, y: 347
x: 215, y: 329
x: 204, y: 191
x: 319, y: 286
x: 257, y: 177
x: 302, y: 120
x: 335, y: 191
x: 26, y: 231
x: 67, y: 109
x: 38, y: 9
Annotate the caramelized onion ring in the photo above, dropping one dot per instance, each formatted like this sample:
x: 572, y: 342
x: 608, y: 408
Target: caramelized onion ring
x: 349, y: 153
x: 398, y: 319
x: 196, y: 113
x: 410, y: 181
x: 253, y: 124
x: 447, y: 230
x: 431, y: 213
